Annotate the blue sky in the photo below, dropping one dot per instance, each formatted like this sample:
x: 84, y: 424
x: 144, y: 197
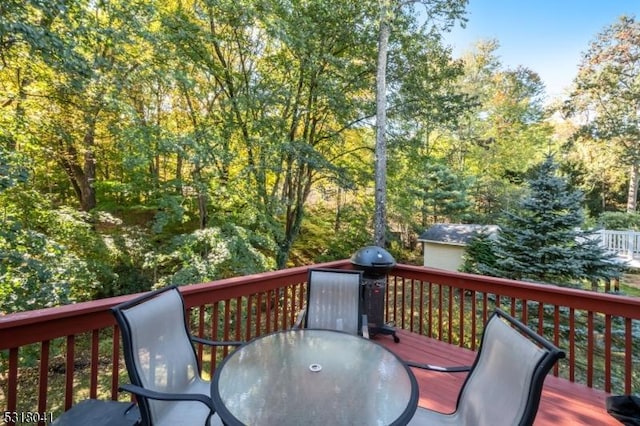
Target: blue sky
x: 546, y: 36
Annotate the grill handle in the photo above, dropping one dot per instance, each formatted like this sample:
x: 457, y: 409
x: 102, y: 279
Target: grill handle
x: 381, y: 263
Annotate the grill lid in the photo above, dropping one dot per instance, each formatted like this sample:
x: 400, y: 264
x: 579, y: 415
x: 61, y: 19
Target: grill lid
x: 373, y: 257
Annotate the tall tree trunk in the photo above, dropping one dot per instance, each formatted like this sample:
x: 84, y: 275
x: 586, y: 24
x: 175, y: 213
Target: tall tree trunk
x: 179, y: 173
x: 632, y: 196
x: 336, y: 224
x: 82, y: 177
x: 299, y: 188
x: 82, y: 184
x: 380, y: 216
x: 202, y: 197
x: 202, y: 209
x: 88, y: 201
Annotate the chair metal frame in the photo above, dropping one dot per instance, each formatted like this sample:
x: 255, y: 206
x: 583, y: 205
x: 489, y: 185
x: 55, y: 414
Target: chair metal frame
x: 136, y: 387
x: 551, y: 355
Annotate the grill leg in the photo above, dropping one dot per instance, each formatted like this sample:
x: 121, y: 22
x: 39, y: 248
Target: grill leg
x: 374, y: 304
x: 388, y: 330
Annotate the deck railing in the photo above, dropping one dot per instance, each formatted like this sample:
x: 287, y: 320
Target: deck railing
x: 53, y: 358
x: 622, y: 243
x: 599, y: 332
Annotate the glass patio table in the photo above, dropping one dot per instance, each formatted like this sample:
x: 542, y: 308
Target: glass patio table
x: 314, y: 377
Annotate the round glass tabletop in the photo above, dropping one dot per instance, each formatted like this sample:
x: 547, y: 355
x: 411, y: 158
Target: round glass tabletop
x: 314, y: 377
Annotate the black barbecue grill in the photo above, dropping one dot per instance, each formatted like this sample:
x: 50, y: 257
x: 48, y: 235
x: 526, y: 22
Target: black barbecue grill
x: 376, y: 262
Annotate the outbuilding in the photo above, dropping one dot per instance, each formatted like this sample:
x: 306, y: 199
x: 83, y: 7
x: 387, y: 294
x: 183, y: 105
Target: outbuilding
x: 443, y: 244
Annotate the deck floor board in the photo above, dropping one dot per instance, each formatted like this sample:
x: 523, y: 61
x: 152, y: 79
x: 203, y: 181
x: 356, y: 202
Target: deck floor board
x: 562, y: 403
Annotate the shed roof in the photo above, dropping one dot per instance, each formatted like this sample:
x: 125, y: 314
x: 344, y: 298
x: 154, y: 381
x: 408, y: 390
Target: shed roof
x: 455, y: 234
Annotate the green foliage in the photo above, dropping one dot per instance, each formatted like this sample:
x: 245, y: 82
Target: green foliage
x: 597, y: 173
x: 619, y: 221
x: 606, y: 91
x: 209, y: 254
x: 120, y: 251
x: 29, y: 274
x: 503, y: 134
x: 12, y: 172
x: 36, y: 270
x: 40, y: 269
x: 543, y: 241
x: 427, y: 193
x: 331, y: 233
x: 444, y: 193
x: 202, y: 141
x: 478, y: 257
x: 170, y: 211
x: 53, y: 255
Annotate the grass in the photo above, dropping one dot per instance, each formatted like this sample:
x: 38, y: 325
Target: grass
x: 630, y: 283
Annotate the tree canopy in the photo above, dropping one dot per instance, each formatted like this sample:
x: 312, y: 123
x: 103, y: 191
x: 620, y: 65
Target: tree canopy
x: 606, y: 97
x: 145, y: 143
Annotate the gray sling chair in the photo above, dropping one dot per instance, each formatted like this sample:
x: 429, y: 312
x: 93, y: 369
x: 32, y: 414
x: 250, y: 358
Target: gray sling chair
x: 334, y: 302
x: 161, y: 360
x: 504, y: 384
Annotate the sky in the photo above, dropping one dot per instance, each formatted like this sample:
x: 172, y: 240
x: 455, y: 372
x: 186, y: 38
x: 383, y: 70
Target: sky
x: 546, y: 36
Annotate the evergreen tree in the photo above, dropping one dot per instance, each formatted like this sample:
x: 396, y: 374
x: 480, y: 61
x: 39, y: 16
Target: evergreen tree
x: 479, y: 255
x: 543, y: 241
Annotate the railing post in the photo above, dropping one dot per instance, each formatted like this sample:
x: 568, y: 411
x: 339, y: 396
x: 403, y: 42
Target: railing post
x: 600, y: 235
x: 631, y: 238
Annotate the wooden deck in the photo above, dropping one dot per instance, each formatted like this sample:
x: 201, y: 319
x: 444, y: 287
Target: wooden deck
x: 563, y: 402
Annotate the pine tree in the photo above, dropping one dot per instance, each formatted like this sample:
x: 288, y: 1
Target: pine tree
x: 543, y: 240
x: 479, y: 255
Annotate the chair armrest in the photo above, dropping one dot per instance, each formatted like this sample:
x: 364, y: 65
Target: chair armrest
x: 299, y: 319
x: 163, y: 396
x: 438, y: 368
x: 365, y: 326
x: 215, y: 342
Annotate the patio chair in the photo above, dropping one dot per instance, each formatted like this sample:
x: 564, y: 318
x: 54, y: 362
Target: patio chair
x: 504, y: 384
x: 334, y: 302
x: 161, y: 360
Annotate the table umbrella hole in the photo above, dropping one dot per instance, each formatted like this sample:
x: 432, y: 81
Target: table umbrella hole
x: 315, y: 367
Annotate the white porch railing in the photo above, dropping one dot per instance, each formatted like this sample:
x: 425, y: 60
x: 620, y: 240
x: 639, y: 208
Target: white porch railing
x: 623, y: 243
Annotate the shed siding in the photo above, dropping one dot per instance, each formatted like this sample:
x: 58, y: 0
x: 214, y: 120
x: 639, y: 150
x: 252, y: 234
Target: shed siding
x: 443, y: 256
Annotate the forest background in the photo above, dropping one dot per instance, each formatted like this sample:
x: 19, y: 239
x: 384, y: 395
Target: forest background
x: 145, y: 143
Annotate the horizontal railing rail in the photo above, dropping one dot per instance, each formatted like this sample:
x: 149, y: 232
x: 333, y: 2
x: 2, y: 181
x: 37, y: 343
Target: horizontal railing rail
x: 53, y: 358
